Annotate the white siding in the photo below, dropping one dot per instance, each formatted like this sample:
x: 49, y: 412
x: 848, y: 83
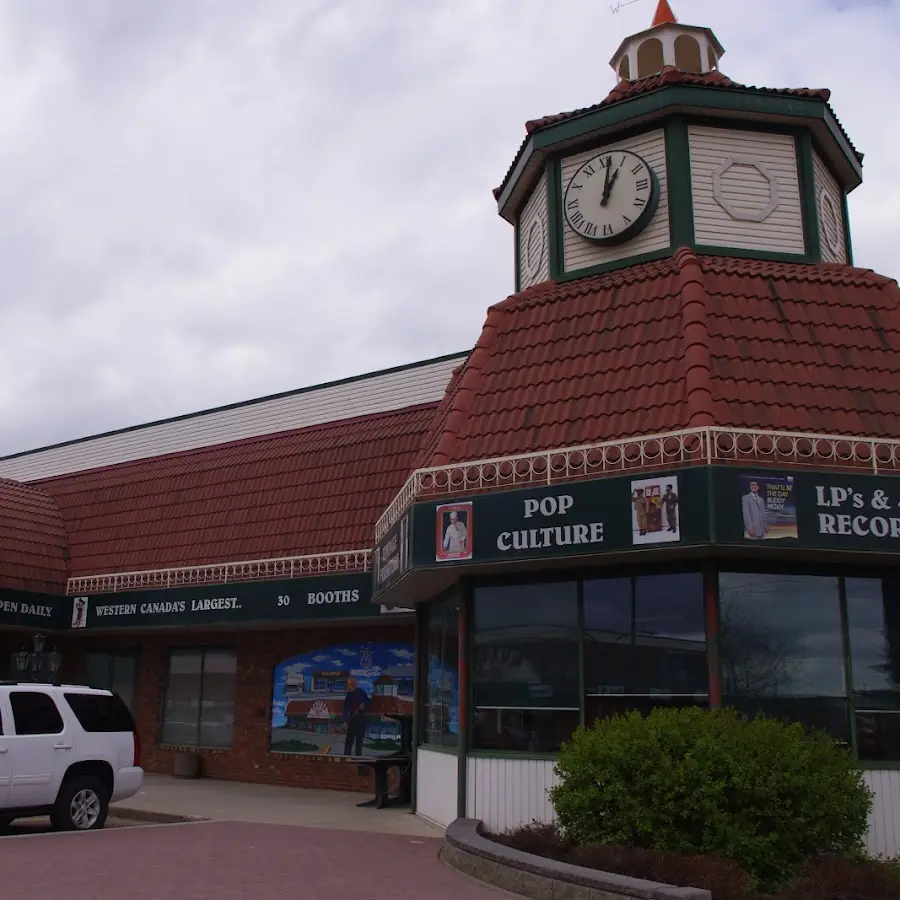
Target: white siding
x: 534, y: 238
x: 745, y: 189
x: 379, y: 392
x: 830, y: 212
x: 580, y: 253
x: 506, y: 793
x: 883, y: 838
x: 436, y: 785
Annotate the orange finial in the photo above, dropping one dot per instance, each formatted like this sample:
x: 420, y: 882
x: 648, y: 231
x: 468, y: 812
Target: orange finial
x: 664, y: 15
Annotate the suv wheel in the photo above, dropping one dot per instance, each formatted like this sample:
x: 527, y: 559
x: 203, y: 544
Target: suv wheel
x: 82, y: 805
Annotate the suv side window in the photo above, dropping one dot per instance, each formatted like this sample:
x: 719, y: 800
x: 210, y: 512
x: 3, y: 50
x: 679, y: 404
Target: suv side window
x: 35, y: 713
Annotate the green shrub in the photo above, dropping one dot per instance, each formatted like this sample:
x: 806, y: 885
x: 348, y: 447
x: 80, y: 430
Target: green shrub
x: 763, y: 794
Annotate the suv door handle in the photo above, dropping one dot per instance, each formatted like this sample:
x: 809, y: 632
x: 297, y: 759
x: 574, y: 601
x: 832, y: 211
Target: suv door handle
x: 3, y: 749
x: 62, y: 746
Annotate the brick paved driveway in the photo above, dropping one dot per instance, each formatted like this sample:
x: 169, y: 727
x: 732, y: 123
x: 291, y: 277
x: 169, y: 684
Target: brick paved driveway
x: 230, y: 861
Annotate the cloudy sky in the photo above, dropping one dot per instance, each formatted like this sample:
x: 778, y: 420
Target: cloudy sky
x: 209, y: 200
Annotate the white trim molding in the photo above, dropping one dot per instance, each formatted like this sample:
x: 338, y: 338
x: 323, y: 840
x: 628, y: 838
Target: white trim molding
x: 344, y: 561
x: 689, y: 446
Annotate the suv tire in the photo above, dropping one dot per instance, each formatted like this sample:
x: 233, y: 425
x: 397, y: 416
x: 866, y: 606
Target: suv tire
x: 82, y: 805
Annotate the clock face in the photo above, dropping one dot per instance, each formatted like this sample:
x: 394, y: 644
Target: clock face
x: 611, y: 197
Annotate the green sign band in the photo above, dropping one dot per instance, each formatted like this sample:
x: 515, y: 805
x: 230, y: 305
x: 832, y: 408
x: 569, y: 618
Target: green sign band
x: 28, y: 610
x: 814, y: 510
x: 581, y: 518
x: 314, y: 598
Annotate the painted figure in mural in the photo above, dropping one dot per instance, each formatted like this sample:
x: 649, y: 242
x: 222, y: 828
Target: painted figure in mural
x: 756, y: 524
x: 670, y: 503
x: 354, y: 716
x: 640, y: 509
x: 455, y: 537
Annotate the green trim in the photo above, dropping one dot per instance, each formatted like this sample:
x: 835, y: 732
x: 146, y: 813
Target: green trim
x: 464, y: 693
x: 582, y: 699
x: 701, y: 99
x: 848, y: 664
x: 678, y: 178
x: 848, y: 240
x: 510, y: 754
x: 440, y: 748
x: 217, y: 409
x: 740, y: 253
x: 806, y: 179
x: 612, y: 266
x: 876, y: 766
x: 517, y: 254
x: 556, y: 254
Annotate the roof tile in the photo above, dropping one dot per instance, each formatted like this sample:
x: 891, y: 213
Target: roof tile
x: 773, y: 345
x: 32, y: 539
x: 312, y: 490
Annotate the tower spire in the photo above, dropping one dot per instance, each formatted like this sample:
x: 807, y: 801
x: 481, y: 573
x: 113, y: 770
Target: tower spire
x: 663, y: 15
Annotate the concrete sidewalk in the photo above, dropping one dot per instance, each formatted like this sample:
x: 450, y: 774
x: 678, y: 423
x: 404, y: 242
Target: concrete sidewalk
x: 270, y: 804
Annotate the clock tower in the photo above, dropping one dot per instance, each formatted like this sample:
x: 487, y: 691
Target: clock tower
x: 679, y: 155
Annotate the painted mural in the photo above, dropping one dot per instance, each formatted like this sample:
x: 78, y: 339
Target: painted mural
x: 346, y: 700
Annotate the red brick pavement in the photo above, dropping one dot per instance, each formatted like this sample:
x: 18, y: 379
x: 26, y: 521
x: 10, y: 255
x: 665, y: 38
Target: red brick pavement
x: 230, y: 861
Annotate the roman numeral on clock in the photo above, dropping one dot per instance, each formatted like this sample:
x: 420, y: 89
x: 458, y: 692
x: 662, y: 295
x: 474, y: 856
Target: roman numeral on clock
x: 573, y: 204
x: 642, y: 184
x: 590, y: 229
x: 607, y: 230
x: 577, y: 219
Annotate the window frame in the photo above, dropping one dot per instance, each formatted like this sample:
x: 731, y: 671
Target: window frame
x: 111, y: 655
x: 579, y: 575
x: 423, y: 669
x: 202, y: 649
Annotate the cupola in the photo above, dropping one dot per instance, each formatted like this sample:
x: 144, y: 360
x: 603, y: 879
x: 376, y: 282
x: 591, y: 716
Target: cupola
x: 667, y: 44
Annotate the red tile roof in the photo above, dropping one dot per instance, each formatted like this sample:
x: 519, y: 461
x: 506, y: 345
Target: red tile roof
x: 669, y: 76
x: 681, y: 342
x: 32, y: 539
x: 312, y: 490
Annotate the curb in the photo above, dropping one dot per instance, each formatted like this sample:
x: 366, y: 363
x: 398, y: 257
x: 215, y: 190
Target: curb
x: 467, y: 850
x: 147, y: 815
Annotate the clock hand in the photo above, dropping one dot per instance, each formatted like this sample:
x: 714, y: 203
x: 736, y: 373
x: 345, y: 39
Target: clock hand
x: 606, y: 187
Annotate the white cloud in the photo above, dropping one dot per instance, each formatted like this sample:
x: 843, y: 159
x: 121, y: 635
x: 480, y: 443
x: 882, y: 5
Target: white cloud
x: 208, y: 201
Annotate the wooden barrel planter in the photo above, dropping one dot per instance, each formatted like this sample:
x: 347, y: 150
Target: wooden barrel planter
x: 187, y: 765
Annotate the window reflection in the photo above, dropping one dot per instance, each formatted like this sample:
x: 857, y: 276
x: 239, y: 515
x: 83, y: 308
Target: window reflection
x: 645, y: 643
x: 525, y: 665
x: 781, y: 648
x: 441, y: 696
x: 873, y: 618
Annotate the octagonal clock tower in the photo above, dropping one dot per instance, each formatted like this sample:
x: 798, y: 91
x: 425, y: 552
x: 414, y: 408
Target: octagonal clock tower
x: 678, y: 155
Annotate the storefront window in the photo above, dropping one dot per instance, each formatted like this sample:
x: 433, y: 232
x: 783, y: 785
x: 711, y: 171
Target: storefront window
x: 116, y: 672
x: 200, y: 689
x: 781, y: 648
x: 873, y: 617
x: 644, y: 644
x: 525, y: 666
x: 441, y: 697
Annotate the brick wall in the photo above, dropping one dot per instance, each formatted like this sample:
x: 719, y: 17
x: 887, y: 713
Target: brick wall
x: 258, y: 652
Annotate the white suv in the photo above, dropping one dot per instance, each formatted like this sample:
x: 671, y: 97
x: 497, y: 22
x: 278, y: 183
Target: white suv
x: 67, y: 752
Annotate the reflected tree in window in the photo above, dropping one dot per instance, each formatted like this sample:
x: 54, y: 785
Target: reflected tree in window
x: 781, y: 648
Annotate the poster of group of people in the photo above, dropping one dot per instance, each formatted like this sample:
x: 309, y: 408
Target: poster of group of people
x: 346, y: 700
x: 654, y: 510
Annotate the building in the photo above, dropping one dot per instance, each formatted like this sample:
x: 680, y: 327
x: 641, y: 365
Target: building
x: 666, y: 474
